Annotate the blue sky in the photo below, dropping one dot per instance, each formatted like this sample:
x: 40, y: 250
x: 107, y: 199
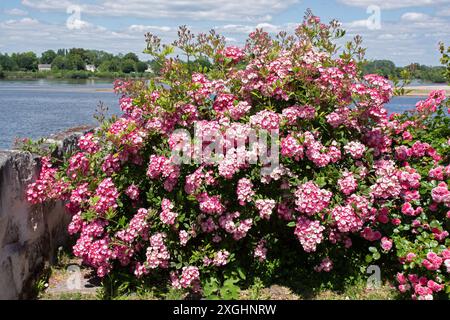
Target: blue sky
x: 404, y: 31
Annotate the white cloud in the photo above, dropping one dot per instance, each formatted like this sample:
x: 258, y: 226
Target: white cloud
x: 22, y: 23
x: 415, y: 17
x: 356, y: 24
x: 16, y: 12
x: 393, y: 4
x: 48, y: 5
x: 246, y: 29
x: 142, y: 28
x: 411, y: 38
x: 28, y: 34
x: 444, y: 12
x: 218, y: 10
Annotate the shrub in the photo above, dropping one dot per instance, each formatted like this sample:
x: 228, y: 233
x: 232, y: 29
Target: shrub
x: 352, y: 185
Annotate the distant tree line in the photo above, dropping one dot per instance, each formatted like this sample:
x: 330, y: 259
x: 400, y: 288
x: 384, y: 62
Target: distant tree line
x: 388, y: 69
x: 73, y: 59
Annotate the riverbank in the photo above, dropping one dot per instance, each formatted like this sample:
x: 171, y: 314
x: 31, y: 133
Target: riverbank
x: 68, y: 74
x: 424, y: 90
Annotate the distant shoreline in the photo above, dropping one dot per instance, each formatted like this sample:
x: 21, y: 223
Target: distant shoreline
x: 416, y: 90
x: 425, y: 90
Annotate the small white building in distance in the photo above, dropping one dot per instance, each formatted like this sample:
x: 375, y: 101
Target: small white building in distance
x: 44, y: 67
x: 91, y: 68
x: 149, y: 69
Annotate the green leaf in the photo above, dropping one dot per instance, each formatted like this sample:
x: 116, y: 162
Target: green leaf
x: 291, y: 224
x: 241, y: 274
x: 373, y: 249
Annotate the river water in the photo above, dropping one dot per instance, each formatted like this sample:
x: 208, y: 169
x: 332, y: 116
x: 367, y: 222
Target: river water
x: 37, y: 108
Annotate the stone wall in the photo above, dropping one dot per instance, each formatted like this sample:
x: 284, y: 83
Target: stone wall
x: 29, y: 235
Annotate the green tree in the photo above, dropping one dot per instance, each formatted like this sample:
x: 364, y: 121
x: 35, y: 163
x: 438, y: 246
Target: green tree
x: 131, y: 56
x: 156, y: 66
x: 75, y: 62
x: 48, y: 56
x: 111, y: 65
x: 61, y: 52
x: 7, y: 63
x: 26, y: 61
x: 445, y: 60
x: 141, y: 66
x: 385, y: 68
x: 128, y: 66
x: 59, y: 63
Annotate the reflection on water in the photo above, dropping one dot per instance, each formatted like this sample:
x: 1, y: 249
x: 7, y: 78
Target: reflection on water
x: 37, y: 108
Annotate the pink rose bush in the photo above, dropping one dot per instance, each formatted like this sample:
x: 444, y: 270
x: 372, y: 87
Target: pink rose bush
x: 347, y: 182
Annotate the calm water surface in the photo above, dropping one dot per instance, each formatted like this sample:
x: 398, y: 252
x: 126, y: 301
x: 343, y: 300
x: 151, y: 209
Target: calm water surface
x: 38, y: 108
x: 41, y: 107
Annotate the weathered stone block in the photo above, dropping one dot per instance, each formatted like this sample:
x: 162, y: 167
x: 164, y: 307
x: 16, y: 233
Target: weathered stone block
x: 29, y: 235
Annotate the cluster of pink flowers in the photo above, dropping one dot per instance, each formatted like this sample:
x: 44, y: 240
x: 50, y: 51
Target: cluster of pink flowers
x: 107, y: 194
x: 162, y: 167
x: 194, y: 181
x: 234, y: 53
x: 265, y: 208
x: 238, y: 230
x: 210, y: 204
x: 387, y: 185
x: 326, y: 265
x: 430, y: 104
x: 441, y: 194
x: 355, y: 149
x: 292, y: 114
x: 265, y: 119
x: 88, y: 143
x: 133, y: 192
x: 239, y: 110
x: 347, y: 183
x: 220, y: 258
x: 386, y: 244
x: 157, y: 253
x: 138, y: 227
x: 78, y: 164
x: 244, y: 191
x: 38, y: 192
x: 423, y: 287
x: 310, y: 199
x: 95, y: 253
x: 111, y: 164
x: 223, y: 102
x: 188, y: 276
x: 433, y: 261
x: 167, y: 216
x: 309, y: 233
x: 291, y: 148
x: 260, y: 251
x: 318, y: 153
x: 184, y: 237
x: 346, y: 219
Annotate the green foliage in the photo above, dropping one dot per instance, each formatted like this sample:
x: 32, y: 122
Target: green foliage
x: 213, y: 289
x: 39, y: 147
x: 128, y: 66
x: 388, y: 69
x: 445, y: 60
x: 26, y: 61
x: 74, y: 59
x: 48, y: 56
